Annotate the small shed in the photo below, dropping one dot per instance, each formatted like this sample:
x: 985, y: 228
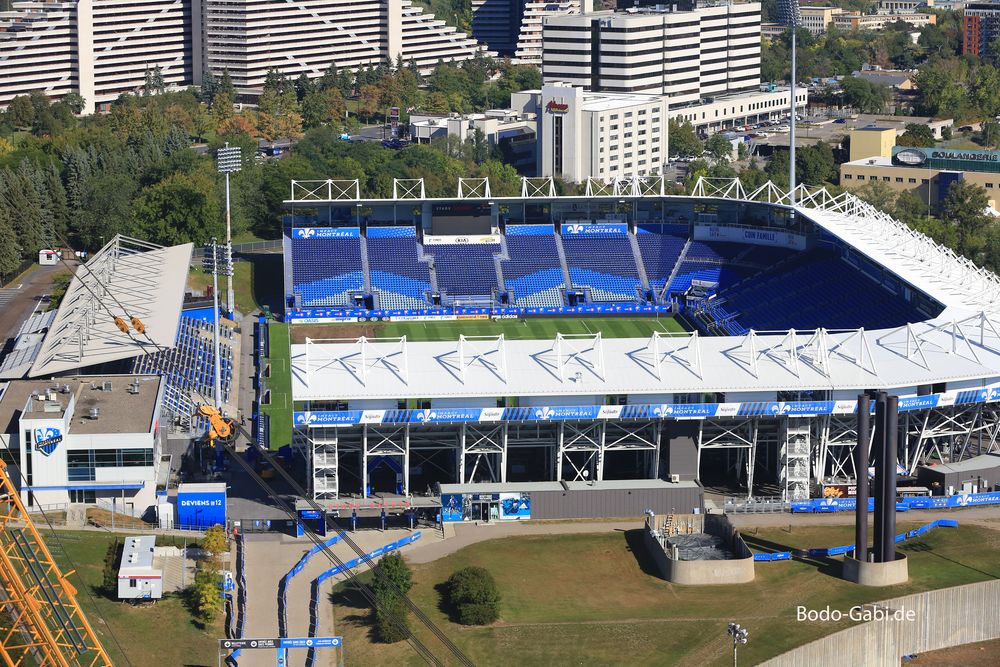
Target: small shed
x: 137, y: 578
x: 47, y: 257
x: 979, y: 472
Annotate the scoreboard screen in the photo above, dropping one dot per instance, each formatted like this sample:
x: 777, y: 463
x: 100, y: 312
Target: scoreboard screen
x: 462, y: 218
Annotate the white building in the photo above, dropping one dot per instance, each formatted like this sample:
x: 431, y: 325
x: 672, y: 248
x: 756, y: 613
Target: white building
x: 138, y: 579
x: 733, y: 111
x: 604, y: 135
x: 97, y: 48
x: 513, y: 28
x: 710, y: 50
x: 87, y: 439
x: 505, y: 129
x: 249, y: 37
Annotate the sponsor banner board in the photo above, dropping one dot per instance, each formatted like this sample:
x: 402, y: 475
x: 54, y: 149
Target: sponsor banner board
x: 315, y: 233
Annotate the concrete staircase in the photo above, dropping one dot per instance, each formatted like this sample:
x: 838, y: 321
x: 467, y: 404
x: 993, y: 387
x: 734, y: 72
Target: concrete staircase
x: 677, y: 265
x: 562, y: 260
x: 364, y: 264
x: 639, y: 265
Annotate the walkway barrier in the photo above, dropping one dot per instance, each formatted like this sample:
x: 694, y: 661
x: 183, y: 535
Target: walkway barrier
x: 314, y: 597
x: 321, y: 315
x: 904, y: 505
x: 849, y: 548
x: 283, y: 584
x: 241, y: 599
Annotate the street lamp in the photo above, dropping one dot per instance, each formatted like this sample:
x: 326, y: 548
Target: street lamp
x: 739, y: 636
x: 229, y: 160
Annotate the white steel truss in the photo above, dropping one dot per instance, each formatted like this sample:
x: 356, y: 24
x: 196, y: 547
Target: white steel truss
x: 680, y: 347
x: 535, y: 187
x: 474, y: 188
x: 358, y: 356
x: 583, y: 350
x: 486, y: 446
x: 384, y: 440
x: 489, y: 352
x: 408, y: 188
x: 328, y: 190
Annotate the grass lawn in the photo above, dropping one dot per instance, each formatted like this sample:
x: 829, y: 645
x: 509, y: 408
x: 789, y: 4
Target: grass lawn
x: 530, y: 328
x: 243, y: 285
x: 587, y: 599
x: 280, y: 384
x: 163, y: 633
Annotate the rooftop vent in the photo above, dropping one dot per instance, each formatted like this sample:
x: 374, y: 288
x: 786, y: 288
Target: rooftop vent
x: 133, y: 387
x: 107, y: 386
x: 51, y: 406
x: 65, y: 389
x: 94, y: 413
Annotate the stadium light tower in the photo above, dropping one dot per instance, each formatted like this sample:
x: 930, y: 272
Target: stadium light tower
x: 739, y: 636
x: 211, y: 263
x: 229, y: 160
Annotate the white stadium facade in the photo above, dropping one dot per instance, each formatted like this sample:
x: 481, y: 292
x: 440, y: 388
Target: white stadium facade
x: 770, y: 411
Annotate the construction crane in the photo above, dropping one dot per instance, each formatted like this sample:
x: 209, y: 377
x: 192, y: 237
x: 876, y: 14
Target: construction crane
x: 220, y: 427
x: 41, y: 622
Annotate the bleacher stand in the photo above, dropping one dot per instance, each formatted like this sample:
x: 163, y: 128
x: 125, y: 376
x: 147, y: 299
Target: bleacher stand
x: 189, y: 367
x: 711, y: 262
x: 533, y: 274
x: 465, y: 271
x: 325, y: 272
x: 604, y: 264
x: 398, y: 278
x: 660, y: 246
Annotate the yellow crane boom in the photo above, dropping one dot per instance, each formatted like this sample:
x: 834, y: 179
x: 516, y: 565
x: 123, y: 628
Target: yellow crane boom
x: 40, y: 619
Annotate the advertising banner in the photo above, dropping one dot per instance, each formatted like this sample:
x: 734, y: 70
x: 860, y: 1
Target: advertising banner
x: 201, y: 509
x: 768, y: 237
x: 326, y: 233
x: 594, y: 228
x: 456, y: 507
x: 515, y: 506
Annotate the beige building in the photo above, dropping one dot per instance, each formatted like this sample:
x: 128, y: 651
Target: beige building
x: 816, y: 19
x: 928, y: 171
x: 859, y: 21
x: 872, y: 142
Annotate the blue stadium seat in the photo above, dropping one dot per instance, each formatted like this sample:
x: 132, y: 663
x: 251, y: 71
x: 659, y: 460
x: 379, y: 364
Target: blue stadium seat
x: 398, y: 277
x: 325, y: 272
x: 465, y: 270
x: 660, y: 246
x: 603, y: 264
x: 533, y: 274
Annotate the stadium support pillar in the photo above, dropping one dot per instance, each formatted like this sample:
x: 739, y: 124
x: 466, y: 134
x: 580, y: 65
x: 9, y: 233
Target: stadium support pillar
x: 889, y: 480
x: 861, y: 468
x: 560, y: 436
x: 364, y: 462
x: 406, y: 460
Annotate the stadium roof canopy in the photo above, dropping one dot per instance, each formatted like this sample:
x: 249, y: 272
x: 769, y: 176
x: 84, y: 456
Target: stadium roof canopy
x: 27, y: 344
x: 913, y: 355
x: 125, y: 278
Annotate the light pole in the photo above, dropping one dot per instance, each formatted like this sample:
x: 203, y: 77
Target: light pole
x: 229, y: 160
x: 212, y: 264
x: 791, y: 129
x: 739, y: 636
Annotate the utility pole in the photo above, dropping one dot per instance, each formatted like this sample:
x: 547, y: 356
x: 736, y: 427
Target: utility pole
x: 229, y: 160
x: 739, y: 636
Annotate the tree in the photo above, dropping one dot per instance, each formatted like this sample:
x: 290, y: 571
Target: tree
x: 682, y: 139
x: 182, y: 207
x: 21, y: 111
x: 815, y: 164
x: 74, y: 102
x: 473, y: 595
x: 109, y: 570
x: 234, y: 125
x: 864, y: 95
x: 989, y: 134
x: 742, y: 152
x: 153, y: 83
x: 391, y: 581
x: 916, y: 135
x: 965, y: 207
x: 719, y: 147
x: 323, y: 106
x: 215, y: 541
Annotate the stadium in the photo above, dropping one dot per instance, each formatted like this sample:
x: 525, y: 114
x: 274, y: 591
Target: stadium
x: 624, y: 339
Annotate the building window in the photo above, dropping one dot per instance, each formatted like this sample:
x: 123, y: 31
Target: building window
x: 132, y: 582
x: 847, y: 177
x: 899, y: 179
x: 989, y: 186
x: 912, y: 180
x: 885, y: 178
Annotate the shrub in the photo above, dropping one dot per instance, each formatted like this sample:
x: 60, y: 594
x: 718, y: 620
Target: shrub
x: 392, y: 622
x: 215, y: 541
x: 109, y: 582
x: 391, y: 580
x: 473, y: 594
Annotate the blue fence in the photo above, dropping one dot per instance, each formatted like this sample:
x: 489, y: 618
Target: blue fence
x: 283, y: 584
x: 849, y: 548
x: 314, y: 597
x: 906, y: 504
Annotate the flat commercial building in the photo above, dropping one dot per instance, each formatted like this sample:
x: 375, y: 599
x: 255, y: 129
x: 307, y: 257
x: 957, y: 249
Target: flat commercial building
x: 873, y: 22
x: 250, y: 37
x: 98, y: 49
x: 604, y: 135
x: 816, y: 19
x: 928, y: 171
x: 711, y: 50
x: 87, y: 439
x: 513, y: 28
x: 732, y: 111
x: 504, y: 129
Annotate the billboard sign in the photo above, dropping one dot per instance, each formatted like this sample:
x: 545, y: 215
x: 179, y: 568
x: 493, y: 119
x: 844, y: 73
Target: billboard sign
x: 456, y: 507
x: 47, y: 439
x: 594, y: 228
x: 515, y: 506
x: 326, y: 233
x: 201, y: 509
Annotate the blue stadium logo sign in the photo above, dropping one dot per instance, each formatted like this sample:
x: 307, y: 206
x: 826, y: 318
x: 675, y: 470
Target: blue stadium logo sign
x: 544, y: 413
x: 305, y: 418
x: 47, y: 439
x: 306, y: 233
x: 781, y: 408
x: 575, y: 228
x: 326, y: 233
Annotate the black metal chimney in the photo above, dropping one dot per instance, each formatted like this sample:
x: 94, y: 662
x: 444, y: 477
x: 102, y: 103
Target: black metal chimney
x: 889, y: 480
x: 861, y: 468
x: 879, y: 482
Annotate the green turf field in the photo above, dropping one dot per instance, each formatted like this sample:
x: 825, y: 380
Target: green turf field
x: 280, y: 384
x: 531, y: 328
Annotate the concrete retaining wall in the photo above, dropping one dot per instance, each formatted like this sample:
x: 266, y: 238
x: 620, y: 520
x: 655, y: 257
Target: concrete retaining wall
x: 939, y: 619
x: 739, y: 570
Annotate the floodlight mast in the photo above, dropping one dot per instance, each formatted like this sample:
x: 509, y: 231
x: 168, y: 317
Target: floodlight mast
x: 229, y: 160
x: 739, y: 636
x: 213, y: 265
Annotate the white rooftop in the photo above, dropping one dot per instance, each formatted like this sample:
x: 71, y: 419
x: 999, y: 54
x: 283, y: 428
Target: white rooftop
x: 137, y: 555
x: 125, y: 278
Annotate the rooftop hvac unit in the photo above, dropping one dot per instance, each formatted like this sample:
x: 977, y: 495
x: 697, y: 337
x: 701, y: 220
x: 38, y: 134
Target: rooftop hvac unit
x: 51, y: 406
x: 65, y: 389
x: 675, y: 478
x: 133, y: 387
x: 94, y: 413
x: 107, y: 386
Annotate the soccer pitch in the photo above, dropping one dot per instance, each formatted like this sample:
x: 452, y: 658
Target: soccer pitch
x: 512, y: 329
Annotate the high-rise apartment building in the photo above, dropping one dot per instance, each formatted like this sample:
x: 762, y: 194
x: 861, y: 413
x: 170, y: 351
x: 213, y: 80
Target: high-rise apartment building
x: 103, y: 48
x: 513, y: 28
x: 97, y: 48
x: 687, y: 55
x: 249, y: 37
x: 980, y: 26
